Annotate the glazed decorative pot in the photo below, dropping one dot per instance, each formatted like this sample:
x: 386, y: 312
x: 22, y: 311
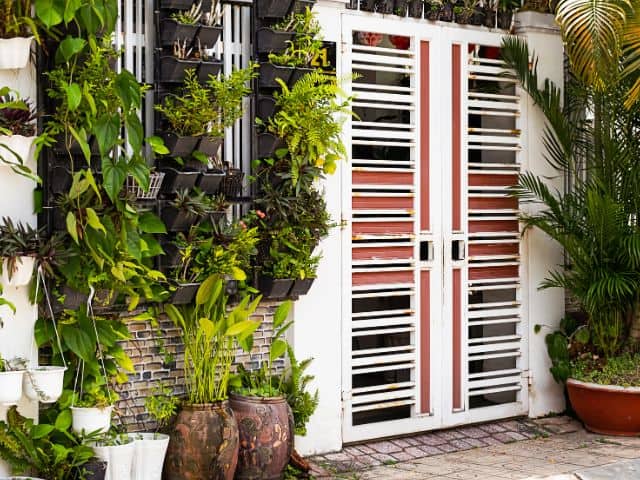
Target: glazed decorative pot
x: 606, y: 409
x: 266, y: 442
x: 203, y: 444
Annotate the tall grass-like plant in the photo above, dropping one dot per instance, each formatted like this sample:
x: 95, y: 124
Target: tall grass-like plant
x: 211, y: 335
x: 592, y: 139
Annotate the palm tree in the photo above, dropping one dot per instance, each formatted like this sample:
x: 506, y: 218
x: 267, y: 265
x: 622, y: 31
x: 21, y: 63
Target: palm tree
x: 600, y: 37
x: 593, y: 138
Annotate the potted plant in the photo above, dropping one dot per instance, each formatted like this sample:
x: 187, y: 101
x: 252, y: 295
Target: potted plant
x: 308, y: 266
x: 151, y: 448
x: 173, y: 68
x: 17, y: 31
x: 17, y: 132
x: 11, y: 373
x: 490, y: 13
x: 184, y: 211
x: 118, y: 451
x: 273, y: 8
x: 44, y: 383
x: 416, y: 7
x: 204, y: 440
x: 278, y: 36
x: 181, y: 26
x: 19, y: 246
x: 401, y: 8
x: 464, y: 10
x: 210, y: 25
x: 277, y: 275
x: 596, y: 355
x: 264, y: 418
x: 209, y: 181
x: 446, y: 12
x: 384, y: 6
x: 91, y: 409
x: 433, y: 11
x: 505, y: 13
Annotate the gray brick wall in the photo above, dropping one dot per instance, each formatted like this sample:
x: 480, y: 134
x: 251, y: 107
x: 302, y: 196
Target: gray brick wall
x: 150, y: 348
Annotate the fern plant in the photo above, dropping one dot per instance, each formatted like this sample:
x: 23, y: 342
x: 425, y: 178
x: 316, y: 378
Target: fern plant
x: 295, y: 387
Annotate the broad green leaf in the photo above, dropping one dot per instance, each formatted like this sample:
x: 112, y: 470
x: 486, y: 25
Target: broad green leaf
x: 134, y: 131
x: 238, y: 274
x: 79, y: 343
x: 151, y: 223
x: 139, y: 169
x: 69, y: 47
x: 113, y: 177
x: 107, y: 131
x: 72, y: 226
x: 41, y: 430
x: 207, y: 327
x: 63, y: 420
x: 209, y: 289
x: 278, y: 348
x: 74, y: 96
x: 81, y: 138
x: 281, y: 313
x: 116, y: 271
x: 157, y: 145
x: 242, y: 327
x: 93, y: 220
x: 70, y: 9
x: 50, y: 12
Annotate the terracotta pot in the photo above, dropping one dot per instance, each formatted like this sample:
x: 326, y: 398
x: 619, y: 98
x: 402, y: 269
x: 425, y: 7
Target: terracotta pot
x: 203, y: 444
x: 266, y: 442
x: 606, y: 409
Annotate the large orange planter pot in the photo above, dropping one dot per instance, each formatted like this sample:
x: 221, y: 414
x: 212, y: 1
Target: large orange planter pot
x: 606, y: 409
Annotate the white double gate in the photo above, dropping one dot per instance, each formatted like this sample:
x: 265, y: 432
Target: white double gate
x: 433, y: 326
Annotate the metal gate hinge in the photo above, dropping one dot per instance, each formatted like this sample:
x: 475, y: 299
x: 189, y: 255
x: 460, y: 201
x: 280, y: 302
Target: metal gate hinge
x: 528, y: 375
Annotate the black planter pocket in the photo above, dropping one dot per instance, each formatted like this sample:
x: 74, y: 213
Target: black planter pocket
x: 297, y: 74
x: 273, y: 8
x: 95, y: 470
x: 274, y: 287
x: 300, y: 6
x: 180, y: 146
x: 401, y: 7
x: 433, y: 12
x: 208, y: 36
x: 269, y: 40
x: 416, y: 8
x: 171, y: 30
x: 209, y: 181
x: 384, y: 6
x: 490, y: 18
x: 504, y: 20
x: 209, y: 146
x: 232, y: 183
x: 478, y: 17
x: 171, y: 257
x: 172, y: 69
x: 185, y: 293
x: 176, y: 4
x: 231, y: 287
x: 269, y: 73
x: 265, y: 106
x: 301, y: 287
x: 178, y: 220
x: 368, y: 5
x: 177, y: 180
x: 74, y: 299
x: 446, y: 13
x: 207, y: 69
x: 268, y: 143
x: 59, y: 180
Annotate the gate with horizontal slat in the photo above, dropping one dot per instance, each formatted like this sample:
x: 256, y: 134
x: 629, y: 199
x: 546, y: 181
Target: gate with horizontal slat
x: 434, y: 333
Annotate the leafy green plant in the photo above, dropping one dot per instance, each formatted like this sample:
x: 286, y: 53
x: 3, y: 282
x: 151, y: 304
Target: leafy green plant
x: 623, y: 370
x: 209, y: 333
x: 189, y: 17
x: 295, y: 388
x: 17, y: 115
x: 161, y: 404
x: 16, y: 19
x: 306, y: 44
x: 47, y: 450
x: 265, y: 381
x: 17, y: 240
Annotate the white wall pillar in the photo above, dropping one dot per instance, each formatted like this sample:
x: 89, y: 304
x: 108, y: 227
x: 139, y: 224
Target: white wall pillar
x: 545, y: 307
x: 318, y: 315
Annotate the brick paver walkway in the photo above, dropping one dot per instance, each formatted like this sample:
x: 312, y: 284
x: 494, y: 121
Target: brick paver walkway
x: 555, y: 448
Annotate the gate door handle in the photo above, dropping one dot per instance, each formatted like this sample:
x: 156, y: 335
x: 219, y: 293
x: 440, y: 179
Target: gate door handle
x: 426, y: 251
x: 457, y: 250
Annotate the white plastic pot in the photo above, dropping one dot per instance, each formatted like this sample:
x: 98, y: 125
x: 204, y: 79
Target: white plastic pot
x: 43, y: 384
x: 11, y: 387
x: 16, y: 144
x: 91, y: 419
x: 119, y: 459
x: 151, y: 449
x: 22, y: 273
x: 14, y: 52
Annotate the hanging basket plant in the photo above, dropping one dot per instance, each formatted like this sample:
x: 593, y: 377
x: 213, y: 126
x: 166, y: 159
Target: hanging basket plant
x: 44, y: 384
x: 15, y: 52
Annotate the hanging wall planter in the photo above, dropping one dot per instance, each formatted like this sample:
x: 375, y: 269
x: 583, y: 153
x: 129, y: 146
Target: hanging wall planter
x: 155, y: 183
x: 505, y: 19
x: 268, y: 143
x: 177, y: 219
x: 91, y: 419
x: 172, y: 31
x: 43, y: 384
x: 176, y: 180
x: 151, y: 449
x: 416, y: 8
x: 265, y: 106
x: 297, y: 74
x: 209, y: 181
x: 119, y: 459
x: 208, y: 36
x: 207, y: 69
x: 172, y: 68
x: 446, y: 12
x: 368, y: 5
x: 274, y: 288
x: 176, y: 4
x: 269, y: 73
x: 401, y: 8
x: 21, y: 274
x: 16, y: 144
x: 273, y: 8
x: 184, y: 293
x: 204, y: 443
x: 269, y: 40
x: 433, y: 12
x: 490, y: 18
x: 14, y: 52
x: 171, y: 257
x: 11, y: 387
x: 301, y: 287
x: 74, y: 299
x: 385, y: 6
x: 478, y: 17
x: 210, y: 145
x: 180, y: 146
x: 266, y: 436
x: 300, y: 6
x: 232, y: 183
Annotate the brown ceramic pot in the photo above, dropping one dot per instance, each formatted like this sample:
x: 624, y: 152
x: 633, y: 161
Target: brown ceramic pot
x: 606, y: 409
x: 203, y: 444
x: 266, y: 428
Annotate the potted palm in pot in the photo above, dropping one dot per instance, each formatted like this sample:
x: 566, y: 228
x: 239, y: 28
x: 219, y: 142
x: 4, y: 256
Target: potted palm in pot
x: 264, y: 418
x: 596, y: 224
x: 204, y: 439
x: 19, y: 246
x: 17, y: 132
x: 17, y: 31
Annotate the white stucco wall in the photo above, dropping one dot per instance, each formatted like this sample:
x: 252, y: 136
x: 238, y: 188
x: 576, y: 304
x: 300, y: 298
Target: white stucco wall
x: 546, y: 307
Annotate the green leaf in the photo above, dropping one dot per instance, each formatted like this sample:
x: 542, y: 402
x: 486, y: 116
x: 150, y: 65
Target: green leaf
x: 74, y: 96
x: 107, y: 131
x: 50, y: 12
x: 113, y: 175
x: 238, y: 274
x: 81, y: 138
x: 41, y: 430
x: 537, y: 328
x: 209, y: 290
x: 79, y: 343
x: 151, y: 223
x: 134, y: 131
x: 63, y: 421
x: 93, y: 220
x: 72, y: 226
x: 278, y: 348
x: 281, y: 313
x: 69, y: 47
x: 70, y: 9
x: 582, y: 336
x: 242, y: 328
x: 157, y: 145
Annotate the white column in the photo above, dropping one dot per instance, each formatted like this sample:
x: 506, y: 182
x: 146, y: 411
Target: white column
x: 545, y: 307
x: 318, y: 321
